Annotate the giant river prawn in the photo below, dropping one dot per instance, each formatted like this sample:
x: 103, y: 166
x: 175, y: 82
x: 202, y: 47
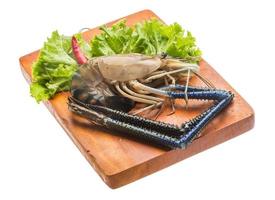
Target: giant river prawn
x: 106, y: 89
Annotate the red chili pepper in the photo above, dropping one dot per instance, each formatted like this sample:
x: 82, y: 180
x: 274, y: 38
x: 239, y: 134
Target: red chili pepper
x: 79, y: 56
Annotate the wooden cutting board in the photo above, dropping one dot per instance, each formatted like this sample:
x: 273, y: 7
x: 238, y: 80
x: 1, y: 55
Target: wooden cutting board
x: 120, y: 160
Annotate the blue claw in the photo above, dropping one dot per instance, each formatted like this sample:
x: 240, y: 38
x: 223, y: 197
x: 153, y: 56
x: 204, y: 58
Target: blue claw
x: 164, y: 134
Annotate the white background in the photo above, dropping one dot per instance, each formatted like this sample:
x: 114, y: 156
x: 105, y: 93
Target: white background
x: 39, y: 161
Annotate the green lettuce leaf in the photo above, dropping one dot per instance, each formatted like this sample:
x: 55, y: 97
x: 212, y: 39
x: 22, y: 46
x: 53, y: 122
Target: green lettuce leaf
x: 149, y: 37
x: 53, y: 70
x: 113, y: 40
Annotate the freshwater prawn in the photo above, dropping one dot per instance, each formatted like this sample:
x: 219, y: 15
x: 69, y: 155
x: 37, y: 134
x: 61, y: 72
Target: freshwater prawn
x: 106, y: 88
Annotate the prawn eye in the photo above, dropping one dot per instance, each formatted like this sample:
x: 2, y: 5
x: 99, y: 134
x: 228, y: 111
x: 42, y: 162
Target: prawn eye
x: 163, y: 55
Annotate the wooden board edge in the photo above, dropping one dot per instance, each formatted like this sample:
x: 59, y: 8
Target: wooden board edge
x: 117, y: 180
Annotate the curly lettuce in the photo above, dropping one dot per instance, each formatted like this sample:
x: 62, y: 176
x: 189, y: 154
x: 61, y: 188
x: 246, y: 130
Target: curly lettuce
x: 149, y: 37
x: 53, y: 70
x: 55, y: 66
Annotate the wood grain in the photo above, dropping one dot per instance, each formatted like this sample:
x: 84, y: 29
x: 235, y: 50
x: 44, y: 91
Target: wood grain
x: 120, y: 160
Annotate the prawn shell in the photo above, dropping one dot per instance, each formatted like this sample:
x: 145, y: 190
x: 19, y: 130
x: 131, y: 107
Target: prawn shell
x: 128, y: 67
